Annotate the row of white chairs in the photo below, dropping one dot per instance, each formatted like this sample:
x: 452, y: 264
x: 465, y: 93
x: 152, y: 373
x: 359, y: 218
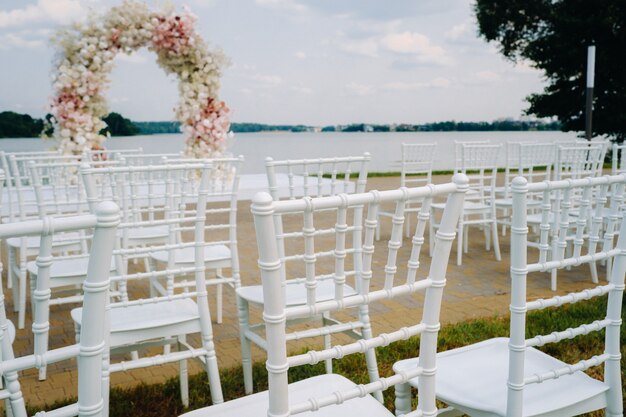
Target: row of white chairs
x: 507, y: 377
x: 149, y: 204
x: 488, y: 205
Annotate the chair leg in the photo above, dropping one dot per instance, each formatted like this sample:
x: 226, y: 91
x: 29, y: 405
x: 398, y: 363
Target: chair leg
x: 106, y: 380
x: 594, y: 272
x: 183, y: 374
x: 403, y: 399
x: 370, y: 355
x: 466, y: 238
x: 431, y: 233
x: 327, y: 345
x: 486, y: 232
x: 21, y: 314
x: 246, y: 354
x: 13, y: 275
x: 496, y: 242
x: 459, y: 242
x: 407, y: 225
x: 217, y: 397
x: 218, y: 296
x: 10, y: 253
x: 377, y: 227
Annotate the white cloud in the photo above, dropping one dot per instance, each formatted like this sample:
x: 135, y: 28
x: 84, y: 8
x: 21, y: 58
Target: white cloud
x: 438, y: 82
x: 12, y: 40
x: 300, y: 55
x: 134, y: 58
x: 57, y: 11
x: 365, y: 47
x: 488, y: 76
x: 267, y: 79
x: 416, y: 44
x: 284, y: 5
x: 302, y: 90
x: 460, y: 31
x: 360, y: 89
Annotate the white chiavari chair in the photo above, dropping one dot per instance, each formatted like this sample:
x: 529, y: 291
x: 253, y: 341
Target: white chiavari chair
x: 512, y: 158
x: 145, y: 159
x: 618, y: 163
x: 220, y: 244
x: 142, y: 318
x: 330, y: 394
x: 96, y: 155
x: 290, y: 179
x: 458, y: 151
x: 479, y: 163
x: 510, y: 376
x: 20, y: 249
x: 535, y: 163
x: 89, y: 352
x: 416, y: 169
x: 579, y: 161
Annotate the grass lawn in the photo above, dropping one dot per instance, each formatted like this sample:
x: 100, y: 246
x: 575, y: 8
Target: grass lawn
x: 164, y: 400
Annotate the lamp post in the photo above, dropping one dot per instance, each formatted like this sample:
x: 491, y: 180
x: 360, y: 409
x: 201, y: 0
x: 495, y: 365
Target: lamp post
x: 591, y: 63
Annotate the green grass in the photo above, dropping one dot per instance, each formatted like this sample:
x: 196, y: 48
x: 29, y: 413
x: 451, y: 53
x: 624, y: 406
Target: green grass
x: 163, y: 399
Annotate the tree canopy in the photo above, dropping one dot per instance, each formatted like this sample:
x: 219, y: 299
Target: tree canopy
x: 118, y: 125
x: 554, y: 36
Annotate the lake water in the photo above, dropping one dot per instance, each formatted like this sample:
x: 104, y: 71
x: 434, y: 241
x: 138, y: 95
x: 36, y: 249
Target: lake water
x: 385, y: 147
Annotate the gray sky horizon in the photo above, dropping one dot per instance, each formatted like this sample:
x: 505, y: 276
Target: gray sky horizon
x: 313, y: 62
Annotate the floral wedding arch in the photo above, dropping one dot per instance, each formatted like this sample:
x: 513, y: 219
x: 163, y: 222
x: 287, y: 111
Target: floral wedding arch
x: 86, y: 59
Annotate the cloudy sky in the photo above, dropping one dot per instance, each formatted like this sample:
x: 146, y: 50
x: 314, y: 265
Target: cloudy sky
x: 315, y: 62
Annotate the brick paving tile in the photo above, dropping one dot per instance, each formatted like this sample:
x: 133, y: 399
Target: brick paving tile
x: 478, y: 288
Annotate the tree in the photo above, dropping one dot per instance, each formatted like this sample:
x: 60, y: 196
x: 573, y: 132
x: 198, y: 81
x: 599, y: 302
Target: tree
x: 554, y: 36
x: 118, y: 125
x: 15, y: 125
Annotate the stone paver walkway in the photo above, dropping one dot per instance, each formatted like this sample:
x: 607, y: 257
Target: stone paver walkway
x: 479, y: 288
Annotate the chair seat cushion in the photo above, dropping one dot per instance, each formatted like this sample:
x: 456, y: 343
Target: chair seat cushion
x: 61, y: 268
x: 149, y: 315
x: 474, y: 378
x: 295, y: 292
x: 212, y: 253
x: 256, y: 405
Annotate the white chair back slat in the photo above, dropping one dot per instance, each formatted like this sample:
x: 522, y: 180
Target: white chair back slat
x: 196, y: 204
x: 458, y: 151
x: 618, y: 163
x: 593, y: 190
x: 276, y: 313
x: 89, y: 352
x: 100, y: 155
x: 417, y: 159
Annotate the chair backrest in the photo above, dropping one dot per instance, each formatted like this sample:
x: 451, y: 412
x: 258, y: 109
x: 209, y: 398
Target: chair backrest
x: 316, y: 177
x: 89, y: 351
x: 512, y: 151
x: 417, y: 164
x: 145, y: 159
x: 58, y: 188
x: 536, y: 161
x: 579, y: 161
x: 480, y: 164
x: 108, y: 154
x: 24, y: 204
x: 458, y: 151
x: 618, y: 163
x: 377, y: 283
x: 599, y: 217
